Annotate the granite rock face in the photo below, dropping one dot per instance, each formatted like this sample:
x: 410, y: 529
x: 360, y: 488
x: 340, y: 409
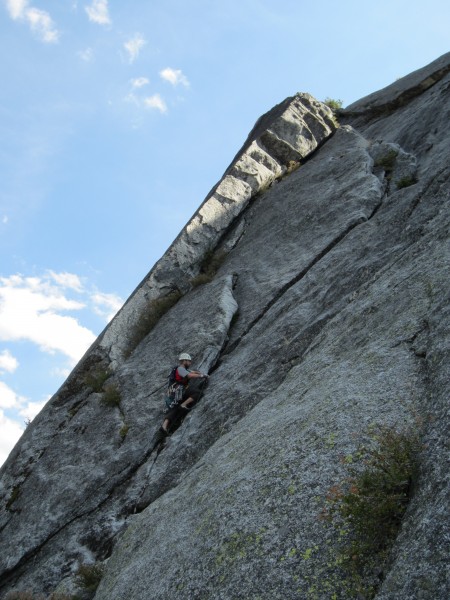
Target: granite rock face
x: 313, y: 285
x: 285, y: 135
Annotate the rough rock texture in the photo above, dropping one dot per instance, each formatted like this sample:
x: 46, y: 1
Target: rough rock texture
x: 285, y: 135
x: 326, y: 313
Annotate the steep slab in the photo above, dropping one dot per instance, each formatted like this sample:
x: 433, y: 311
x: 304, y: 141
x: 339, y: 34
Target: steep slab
x: 244, y: 521
x: 357, y: 336
x: 327, y: 315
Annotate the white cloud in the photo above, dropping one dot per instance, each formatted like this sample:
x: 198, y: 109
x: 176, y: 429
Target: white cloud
x: 98, y: 12
x: 134, y: 46
x: 86, y: 55
x: 10, y: 432
x: 39, y: 20
x: 156, y: 102
x: 16, y: 8
x: 29, y: 308
x: 8, y: 362
x: 174, y: 76
x: 106, y: 305
x: 41, y: 23
x: 5, y: 219
x: 60, y: 372
x: 9, y: 398
x: 36, y: 309
x: 67, y: 280
x: 139, y: 82
x: 31, y: 409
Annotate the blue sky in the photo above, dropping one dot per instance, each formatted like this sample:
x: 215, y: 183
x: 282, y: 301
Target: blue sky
x: 116, y: 119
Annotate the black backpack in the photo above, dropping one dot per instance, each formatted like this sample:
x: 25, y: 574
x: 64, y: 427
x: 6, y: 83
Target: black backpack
x: 175, y: 389
x: 172, y: 376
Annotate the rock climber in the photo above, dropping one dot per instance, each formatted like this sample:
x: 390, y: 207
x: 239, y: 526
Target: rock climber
x: 183, y: 390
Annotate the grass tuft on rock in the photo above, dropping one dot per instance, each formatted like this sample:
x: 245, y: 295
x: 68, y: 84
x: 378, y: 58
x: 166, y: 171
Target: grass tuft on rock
x: 124, y: 431
x: 88, y: 577
x: 96, y: 378
x: 15, y: 493
x: 111, y: 395
x: 406, y: 182
x: 210, y: 265
x: 387, y: 161
x: 156, y: 309
x: 333, y: 103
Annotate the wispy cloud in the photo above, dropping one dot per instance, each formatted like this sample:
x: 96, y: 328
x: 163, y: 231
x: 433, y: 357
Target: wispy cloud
x: 41, y: 23
x: 174, y: 76
x: 87, y: 55
x: 60, y: 372
x: 155, y: 102
x: 134, y: 46
x: 39, y: 20
x: 10, y: 432
x: 8, y: 398
x: 98, y: 12
x: 67, y: 280
x: 16, y: 8
x: 8, y: 362
x: 5, y: 219
x: 139, y: 82
x: 31, y: 409
x: 11, y: 429
x: 106, y: 305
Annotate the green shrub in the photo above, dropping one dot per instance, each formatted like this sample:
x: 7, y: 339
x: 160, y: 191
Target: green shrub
x: 369, y: 506
x: 406, y: 181
x: 111, y: 395
x: 155, y: 310
x: 387, y: 161
x: 96, y: 378
x: 88, y: 577
x: 333, y: 104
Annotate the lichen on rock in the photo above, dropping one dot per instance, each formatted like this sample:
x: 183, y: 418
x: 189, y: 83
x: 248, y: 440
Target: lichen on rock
x: 316, y: 298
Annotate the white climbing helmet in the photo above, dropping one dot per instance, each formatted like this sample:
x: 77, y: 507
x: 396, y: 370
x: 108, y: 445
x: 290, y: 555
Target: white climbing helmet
x: 184, y: 356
